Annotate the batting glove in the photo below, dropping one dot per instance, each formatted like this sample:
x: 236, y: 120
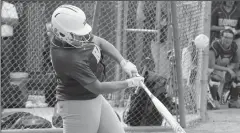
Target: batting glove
x: 129, y: 68
x: 135, y: 81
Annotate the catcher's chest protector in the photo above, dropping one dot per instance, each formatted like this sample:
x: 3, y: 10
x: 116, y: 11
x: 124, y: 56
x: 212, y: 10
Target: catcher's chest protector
x: 223, y: 56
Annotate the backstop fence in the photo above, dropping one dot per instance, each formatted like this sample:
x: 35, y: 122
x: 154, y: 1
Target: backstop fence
x: 140, y: 30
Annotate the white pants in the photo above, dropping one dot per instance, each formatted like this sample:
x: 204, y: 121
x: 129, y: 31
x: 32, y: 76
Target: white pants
x: 89, y: 116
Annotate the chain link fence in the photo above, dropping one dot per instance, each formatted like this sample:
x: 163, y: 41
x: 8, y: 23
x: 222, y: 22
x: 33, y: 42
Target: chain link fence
x: 190, y: 22
x: 140, y: 30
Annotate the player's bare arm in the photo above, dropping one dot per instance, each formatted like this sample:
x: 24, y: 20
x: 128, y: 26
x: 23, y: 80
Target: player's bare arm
x: 108, y: 49
x: 217, y: 28
x: 83, y: 74
x: 111, y: 51
x: 98, y: 87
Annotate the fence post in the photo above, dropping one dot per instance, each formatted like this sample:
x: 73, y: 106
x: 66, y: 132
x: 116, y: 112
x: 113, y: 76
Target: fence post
x: 139, y: 35
x: 124, y: 37
x: 159, y: 27
x: 204, y: 75
x: 1, y: 108
x: 178, y: 64
x: 120, y: 95
x: 96, y: 17
x: 119, y: 35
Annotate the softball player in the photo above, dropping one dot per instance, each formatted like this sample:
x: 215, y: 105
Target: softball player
x: 223, y: 56
x: 226, y: 16
x: 76, y: 57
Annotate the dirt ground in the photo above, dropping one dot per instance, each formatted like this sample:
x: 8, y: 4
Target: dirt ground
x: 219, y: 121
x: 224, y: 120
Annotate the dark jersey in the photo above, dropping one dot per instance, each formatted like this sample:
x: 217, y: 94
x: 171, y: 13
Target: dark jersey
x: 220, y: 17
x: 224, y: 56
x: 75, y: 68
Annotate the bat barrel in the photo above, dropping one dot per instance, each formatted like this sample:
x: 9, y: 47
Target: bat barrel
x: 164, y: 111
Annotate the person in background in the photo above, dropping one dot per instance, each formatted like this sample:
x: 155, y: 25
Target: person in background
x: 227, y: 16
x: 223, y: 57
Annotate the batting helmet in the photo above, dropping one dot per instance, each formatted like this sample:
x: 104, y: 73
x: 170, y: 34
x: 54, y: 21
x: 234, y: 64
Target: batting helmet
x: 69, y: 24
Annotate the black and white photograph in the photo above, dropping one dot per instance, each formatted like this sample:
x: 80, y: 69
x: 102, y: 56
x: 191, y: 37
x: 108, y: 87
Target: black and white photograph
x: 73, y: 66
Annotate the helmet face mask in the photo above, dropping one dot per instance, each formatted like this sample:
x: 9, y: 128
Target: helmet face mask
x: 69, y: 25
x: 78, y: 41
x: 72, y: 39
x: 84, y: 38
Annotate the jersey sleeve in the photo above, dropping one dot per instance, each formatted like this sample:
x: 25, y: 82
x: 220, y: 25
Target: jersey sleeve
x: 82, y: 73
